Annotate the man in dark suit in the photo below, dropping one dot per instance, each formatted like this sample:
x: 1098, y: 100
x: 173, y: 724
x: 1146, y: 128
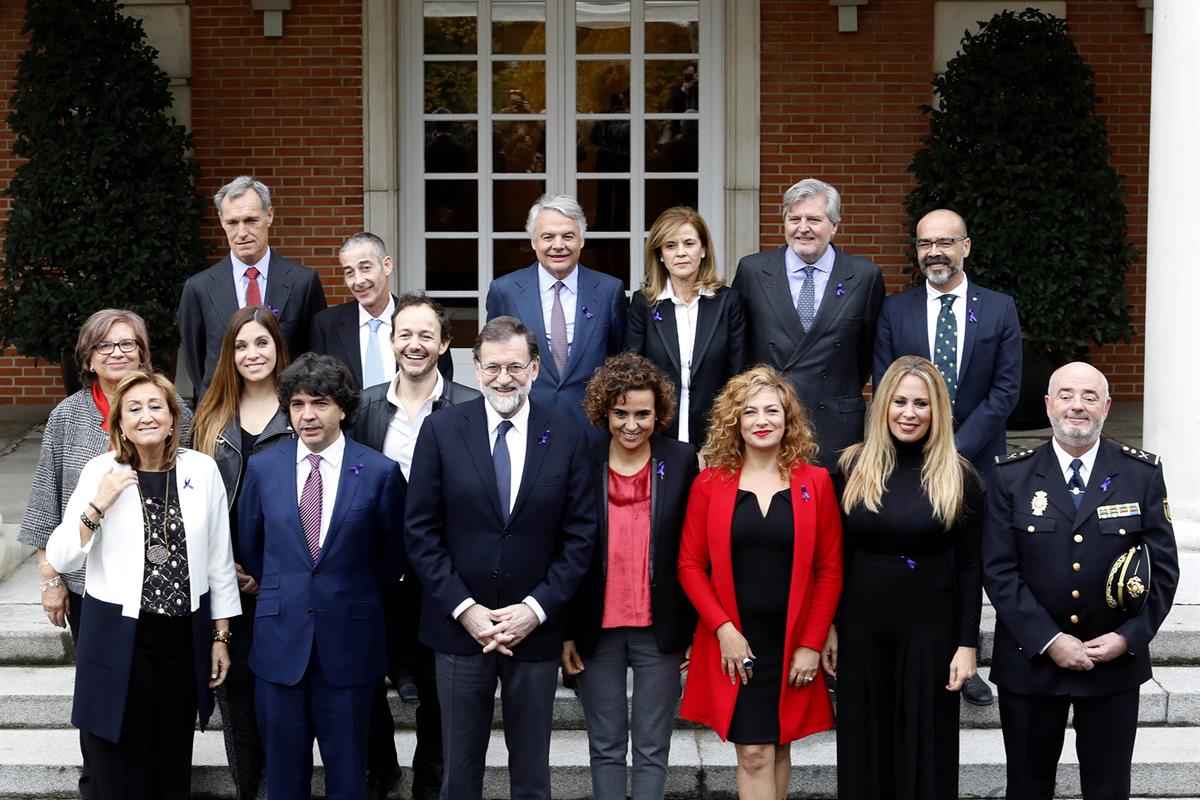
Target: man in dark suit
x: 1057, y: 517
x: 500, y: 528
x: 319, y: 521
x: 810, y: 313
x: 389, y: 420
x: 359, y: 332
x: 252, y: 274
x: 577, y: 314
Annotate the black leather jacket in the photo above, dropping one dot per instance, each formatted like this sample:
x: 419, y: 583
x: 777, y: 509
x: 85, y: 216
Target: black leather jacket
x: 228, y: 452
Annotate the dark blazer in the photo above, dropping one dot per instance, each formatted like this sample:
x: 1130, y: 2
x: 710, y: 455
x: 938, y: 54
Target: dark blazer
x: 459, y: 545
x: 335, y: 333
x: 209, y: 300
x: 673, y: 470
x: 828, y: 365
x: 718, y: 354
x: 336, y: 604
x: 989, y: 373
x: 1028, y: 561
x: 375, y: 412
x: 599, y: 331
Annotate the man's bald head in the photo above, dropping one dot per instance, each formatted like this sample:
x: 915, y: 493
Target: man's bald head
x: 942, y: 246
x: 944, y: 220
x: 1077, y: 404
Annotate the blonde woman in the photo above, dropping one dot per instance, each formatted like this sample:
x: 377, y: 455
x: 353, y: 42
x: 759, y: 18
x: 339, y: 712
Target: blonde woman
x: 911, y: 518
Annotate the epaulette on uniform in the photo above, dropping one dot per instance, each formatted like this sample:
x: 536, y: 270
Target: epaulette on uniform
x: 1139, y: 454
x: 1017, y: 456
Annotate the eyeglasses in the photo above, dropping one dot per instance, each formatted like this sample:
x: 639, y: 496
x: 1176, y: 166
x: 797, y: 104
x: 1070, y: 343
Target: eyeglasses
x: 106, y: 347
x: 945, y: 243
x: 514, y: 370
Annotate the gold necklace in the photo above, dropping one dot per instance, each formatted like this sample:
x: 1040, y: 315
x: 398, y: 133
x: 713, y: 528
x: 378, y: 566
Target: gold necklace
x: 157, y: 554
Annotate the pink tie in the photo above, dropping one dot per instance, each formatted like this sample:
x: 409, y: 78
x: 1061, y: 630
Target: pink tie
x: 253, y: 296
x: 310, y: 505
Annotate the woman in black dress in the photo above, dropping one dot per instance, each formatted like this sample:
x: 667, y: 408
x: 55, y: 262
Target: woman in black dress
x: 911, y: 518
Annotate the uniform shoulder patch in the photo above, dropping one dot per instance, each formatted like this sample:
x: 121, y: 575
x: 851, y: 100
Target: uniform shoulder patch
x: 1017, y: 456
x: 1140, y: 454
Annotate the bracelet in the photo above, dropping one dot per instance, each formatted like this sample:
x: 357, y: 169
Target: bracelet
x: 50, y: 584
x: 96, y: 508
x: 87, y: 522
x: 222, y: 636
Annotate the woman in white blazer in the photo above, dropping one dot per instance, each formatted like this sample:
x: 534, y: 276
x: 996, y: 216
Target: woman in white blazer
x: 152, y: 522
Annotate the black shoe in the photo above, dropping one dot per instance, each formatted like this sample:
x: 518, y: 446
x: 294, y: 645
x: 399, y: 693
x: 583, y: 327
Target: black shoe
x: 407, y: 690
x: 379, y: 787
x: 977, y: 692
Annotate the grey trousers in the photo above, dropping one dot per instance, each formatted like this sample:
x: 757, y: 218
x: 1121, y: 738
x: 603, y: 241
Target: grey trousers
x: 656, y: 689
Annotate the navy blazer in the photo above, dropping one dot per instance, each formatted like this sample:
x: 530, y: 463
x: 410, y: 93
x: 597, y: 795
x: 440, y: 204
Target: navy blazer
x: 989, y: 371
x: 599, y: 331
x: 718, y: 354
x: 335, y: 604
x: 459, y: 545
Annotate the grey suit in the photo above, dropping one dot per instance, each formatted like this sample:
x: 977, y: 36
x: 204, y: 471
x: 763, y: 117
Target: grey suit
x: 828, y: 365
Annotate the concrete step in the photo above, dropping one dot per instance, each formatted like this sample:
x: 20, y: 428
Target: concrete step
x: 44, y: 763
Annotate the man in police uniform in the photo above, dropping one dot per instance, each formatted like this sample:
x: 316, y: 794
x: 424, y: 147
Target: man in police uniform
x: 1058, y: 516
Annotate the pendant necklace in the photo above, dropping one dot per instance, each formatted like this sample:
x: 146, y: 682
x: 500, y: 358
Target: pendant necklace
x: 156, y: 554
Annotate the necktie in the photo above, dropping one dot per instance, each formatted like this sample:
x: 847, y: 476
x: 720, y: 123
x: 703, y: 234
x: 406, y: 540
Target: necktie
x: 502, y: 467
x: 558, y: 332
x: 253, y: 296
x: 806, y: 306
x: 945, y: 344
x: 373, y: 366
x: 1075, y: 483
x: 310, y: 505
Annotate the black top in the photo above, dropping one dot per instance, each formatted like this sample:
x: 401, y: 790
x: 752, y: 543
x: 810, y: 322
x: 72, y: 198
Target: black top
x: 166, y: 587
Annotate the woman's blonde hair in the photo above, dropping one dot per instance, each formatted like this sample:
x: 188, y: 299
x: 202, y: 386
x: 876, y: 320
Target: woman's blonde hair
x: 125, y: 452
x: 725, y: 447
x: 664, y: 228
x: 867, y: 465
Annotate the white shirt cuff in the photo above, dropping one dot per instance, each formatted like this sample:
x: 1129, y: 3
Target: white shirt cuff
x: 461, y: 607
x: 1052, y: 641
x: 537, y: 608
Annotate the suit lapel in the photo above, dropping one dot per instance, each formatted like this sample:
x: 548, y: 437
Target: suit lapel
x: 279, y: 284
x: 779, y: 298
x: 286, y: 469
x: 1101, y: 483
x: 832, y: 300
x: 377, y: 423
x: 477, y: 441
x: 347, y: 333
x: 706, y: 322
x: 665, y: 328
x: 1053, y: 483
x: 529, y: 311
x: 348, y: 483
x: 970, y: 329
x: 221, y: 291
x: 917, y: 320
x: 585, y: 304
x: 535, y: 454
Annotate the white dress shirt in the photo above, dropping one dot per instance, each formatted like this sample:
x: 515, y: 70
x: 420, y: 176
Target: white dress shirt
x: 401, y: 437
x: 568, y: 297
x: 686, y: 315
x: 331, y: 470
x: 933, y: 307
x: 241, y: 283
x: 387, y: 357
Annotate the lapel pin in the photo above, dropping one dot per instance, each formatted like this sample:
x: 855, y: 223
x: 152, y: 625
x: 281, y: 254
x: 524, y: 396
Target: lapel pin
x: 971, y: 315
x: 908, y: 561
x: 275, y: 311
x: 1107, y: 482
x: 1039, y: 503
x: 804, y: 492
x: 841, y: 289
x: 187, y: 483
x: 357, y: 469
x: 587, y: 313
x: 657, y: 316
x: 661, y: 469
x: 545, y: 437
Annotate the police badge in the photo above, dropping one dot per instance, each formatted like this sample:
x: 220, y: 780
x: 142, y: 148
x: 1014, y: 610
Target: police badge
x: 1039, y: 503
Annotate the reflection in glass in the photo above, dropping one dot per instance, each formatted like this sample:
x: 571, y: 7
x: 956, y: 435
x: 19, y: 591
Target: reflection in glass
x: 672, y: 87
x: 451, y: 146
x: 602, y: 87
x: 510, y: 255
x: 519, y: 87
x: 672, y: 145
x: 450, y: 28
x: 602, y: 145
x: 511, y: 201
x: 519, y: 146
x: 450, y: 87
x: 662, y: 194
x: 602, y: 27
x: 451, y: 264
x: 464, y: 320
x: 672, y: 26
x: 610, y: 256
x: 606, y: 203
x: 451, y: 205
x: 519, y: 27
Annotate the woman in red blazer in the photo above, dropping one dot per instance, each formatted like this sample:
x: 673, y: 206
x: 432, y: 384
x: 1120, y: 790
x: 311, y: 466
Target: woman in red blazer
x: 761, y: 560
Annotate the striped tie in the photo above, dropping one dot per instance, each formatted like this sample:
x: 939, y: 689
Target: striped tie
x: 310, y: 505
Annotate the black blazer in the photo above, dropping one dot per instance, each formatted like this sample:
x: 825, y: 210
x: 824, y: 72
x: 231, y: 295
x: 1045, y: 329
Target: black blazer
x: 719, y: 352
x: 209, y: 299
x: 375, y: 412
x: 675, y: 467
x: 335, y: 333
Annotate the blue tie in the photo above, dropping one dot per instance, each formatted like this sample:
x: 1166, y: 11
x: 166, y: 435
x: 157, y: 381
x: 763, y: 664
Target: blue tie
x: 503, y: 467
x: 373, y: 368
x: 1075, y: 484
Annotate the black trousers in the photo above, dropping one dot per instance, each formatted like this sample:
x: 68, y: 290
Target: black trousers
x: 1034, y: 727
x: 153, y: 759
x: 74, y: 615
x: 235, y: 698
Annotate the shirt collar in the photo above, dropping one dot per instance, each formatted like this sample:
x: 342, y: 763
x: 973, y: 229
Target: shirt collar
x: 546, y: 280
x: 364, y: 316
x: 263, y: 265
x: 520, y: 420
x: 933, y: 294
x: 668, y: 293
x: 333, y: 454
x: 1065, y: 458
x: 795, y: 263
x: 393, y: 396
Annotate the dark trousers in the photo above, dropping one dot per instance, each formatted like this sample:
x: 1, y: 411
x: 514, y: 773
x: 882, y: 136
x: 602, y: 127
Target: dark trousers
x: 467, y: 691
x: 235, y: 698
x: 74, y: 615
x: 153, y: 759
x: 1034, y: 727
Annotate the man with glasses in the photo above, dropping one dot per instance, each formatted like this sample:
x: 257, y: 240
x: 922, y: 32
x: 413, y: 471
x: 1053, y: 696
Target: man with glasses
x: 500, y: 526
x: 973, y: 337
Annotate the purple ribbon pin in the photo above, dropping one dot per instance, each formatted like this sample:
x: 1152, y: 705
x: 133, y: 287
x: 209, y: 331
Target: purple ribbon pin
x: 356, y: 469
x: 1107, y: 482
x: 187, y: 483
x: 911, y: 564
x: 657, y: 316
x: 545, y: 437
x: 971, y: 315
x: 804, y: 492
x: 587, y: 313
x: 661, y: 469
x: 841, y: 289
x: 275, y: 311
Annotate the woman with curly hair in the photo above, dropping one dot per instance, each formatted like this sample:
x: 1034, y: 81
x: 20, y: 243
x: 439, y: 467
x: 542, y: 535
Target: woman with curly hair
x: 629, y: 611
x: 761, y: 560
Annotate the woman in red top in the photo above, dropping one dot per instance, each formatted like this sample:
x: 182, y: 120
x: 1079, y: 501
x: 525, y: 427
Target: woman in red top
x: 761, y: 560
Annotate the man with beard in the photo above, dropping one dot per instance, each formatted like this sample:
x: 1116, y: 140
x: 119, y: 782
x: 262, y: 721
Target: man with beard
x: 1069, y: 635
x: 500, y: 530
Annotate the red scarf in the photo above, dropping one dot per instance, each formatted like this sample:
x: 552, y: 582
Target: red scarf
x: 101, y: 404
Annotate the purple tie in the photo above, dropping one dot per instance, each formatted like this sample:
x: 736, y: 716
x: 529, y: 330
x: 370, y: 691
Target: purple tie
x: 558, y: 332
x: 310, y: 505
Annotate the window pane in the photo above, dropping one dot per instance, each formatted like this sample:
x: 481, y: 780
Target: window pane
x: 602, y: 145
x: 602, y: 87
x: 610, y: 256
x: 662, y: 194
x: 450, y: 87
x: 464, y: 320
x: 451, y: 146
x: 606, y: 203
x: 672, y: 145
x: 519, y: 87
x: 672, y: 87
x: 450, y: 28
x: 519, y: 27
x: 601, y: 27
x: 451, y: 264
x: 672, y: 26
x: 510, y: 255
x: 511, y: 201
x: 519, y: 146
x: 451, y: 205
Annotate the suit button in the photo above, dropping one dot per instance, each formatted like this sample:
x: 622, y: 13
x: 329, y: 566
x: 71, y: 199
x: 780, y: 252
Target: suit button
x: 310, y: 612
x: 1075, y: 593
x: 316, y: 573
x: 821, y: 405
x: 1079, y: 537
x: 1031, y: 529
x: 824, y: 373
x: 837, y: 342
x: 1076, y: 566
x: 495, y: 573
x: 1074, y: 619
x: 770, y: 344
x: 1121, y: 531
x: 508, y: 536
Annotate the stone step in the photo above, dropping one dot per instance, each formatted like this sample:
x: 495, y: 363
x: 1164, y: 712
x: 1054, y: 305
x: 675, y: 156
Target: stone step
x: 44, y: 763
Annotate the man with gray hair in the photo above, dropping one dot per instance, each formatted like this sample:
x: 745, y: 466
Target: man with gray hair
x: 810, y: 313
x: 251, y: 274
x: 577, y: 314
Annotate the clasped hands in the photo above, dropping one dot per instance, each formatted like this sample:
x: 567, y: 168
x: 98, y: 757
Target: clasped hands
x: 1069, y: 652
x: 499, y: 629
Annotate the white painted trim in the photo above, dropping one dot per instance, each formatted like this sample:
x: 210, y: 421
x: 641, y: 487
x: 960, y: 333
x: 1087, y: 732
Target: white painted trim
x: 742, y: 47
